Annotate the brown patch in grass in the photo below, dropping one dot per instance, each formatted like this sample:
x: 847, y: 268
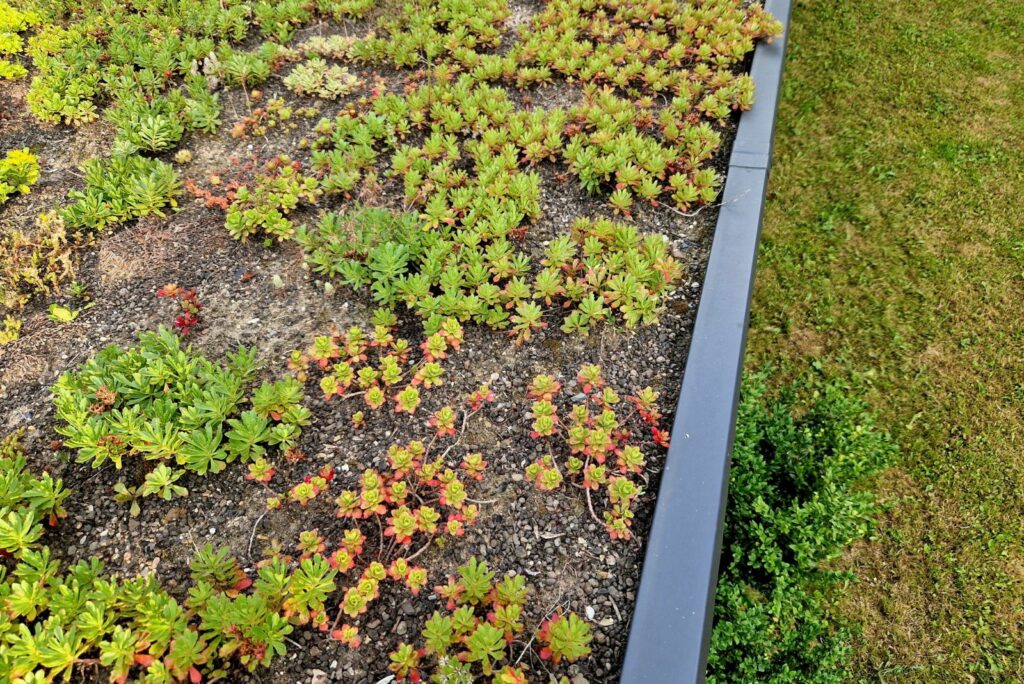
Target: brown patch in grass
x: 896, y: 611
x: 974, y: 250
x: 807, y: 342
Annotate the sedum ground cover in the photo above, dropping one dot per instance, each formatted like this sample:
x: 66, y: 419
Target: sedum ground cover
x: 892, y: 258
x: 351, y: 327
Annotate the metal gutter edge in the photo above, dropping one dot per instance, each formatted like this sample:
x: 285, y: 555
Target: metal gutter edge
x: 674, y: 613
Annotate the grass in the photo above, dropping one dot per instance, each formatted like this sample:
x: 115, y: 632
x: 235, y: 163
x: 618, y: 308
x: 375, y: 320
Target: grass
x: 893, y: 255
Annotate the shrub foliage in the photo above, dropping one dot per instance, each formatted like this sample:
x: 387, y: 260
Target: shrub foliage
x: 794, y: 506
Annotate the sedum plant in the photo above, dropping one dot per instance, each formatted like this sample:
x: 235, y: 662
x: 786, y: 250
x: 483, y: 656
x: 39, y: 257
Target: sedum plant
x: 57, y: 623
x: 70, y: 85
x: 341, y: 9
x: 39, y: 261
x: 455, y: 255
x: 247, y: 68
x: 334, y: 46
x: 594, y: 443
x: 436, y: 274
x: 392, y: 516
x: 472, y: 640
x: 427, y: 31
x: 275, y: 114
x: 167, y: 404
x: 660, y: 79
x: 27, y: 501
x: 315, y: 78
x: 156, y: 123
x: 600, y: 271
x: 376, y: 367
x: 145, y: 60
x: 188, y: 304
x: 13, y: 22
x: 262, y: 209
x: 120, y: 189
x: 605, y: 270
x: 641, y: 49
x: 10, y: 330
x: 634, y: 59
x: 19, y: 171
x: 611, y: 151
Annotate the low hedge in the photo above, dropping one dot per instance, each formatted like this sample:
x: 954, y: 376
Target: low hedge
x: 796, y: 501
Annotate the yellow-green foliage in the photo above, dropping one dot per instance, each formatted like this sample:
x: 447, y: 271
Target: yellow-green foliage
x: 315, y: 77
x: 134, y: 55
x: 10, y: 331
x: 19, y: 170
x: 55, y: 619
x: 38, y: 261
x: 12, y: 22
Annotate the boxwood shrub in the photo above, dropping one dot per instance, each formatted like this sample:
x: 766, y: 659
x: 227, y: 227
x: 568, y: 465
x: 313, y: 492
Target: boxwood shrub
x: 796, y: 500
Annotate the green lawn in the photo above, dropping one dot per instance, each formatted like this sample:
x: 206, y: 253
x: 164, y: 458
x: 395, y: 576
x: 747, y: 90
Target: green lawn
x: 893, y: 254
